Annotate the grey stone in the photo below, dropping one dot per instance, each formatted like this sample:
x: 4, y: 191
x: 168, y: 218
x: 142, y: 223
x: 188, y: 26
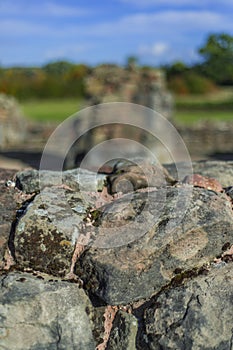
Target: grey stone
x: 45, y: 236
x: 28, y: 181
x: 129, y: 176
x: 143, y: 239
x: 194, y: 316
x: 208, y: 139
x: 123, y: 333
x: 31, y: 181
x: 12, y: 123
x: 219, y: 170
x: 229, y: 191
x: 147, y: 87
x: 38, y: 314
x: 8, y: 208
x: 148, y: 250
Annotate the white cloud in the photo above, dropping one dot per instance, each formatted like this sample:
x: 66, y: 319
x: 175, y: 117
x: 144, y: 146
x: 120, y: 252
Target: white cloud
x: 162, y: 34
x: 168, y: 23
x: 192, y: 55
x: 172, y: 25
x: 156, y: 49
x: 172, y: 20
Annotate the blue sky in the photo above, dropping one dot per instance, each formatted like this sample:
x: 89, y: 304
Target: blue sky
x: 95, y: 31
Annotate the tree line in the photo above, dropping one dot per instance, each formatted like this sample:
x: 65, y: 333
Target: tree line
x: 53, y: 80
x: 214, y: 69
x: 64, y: 79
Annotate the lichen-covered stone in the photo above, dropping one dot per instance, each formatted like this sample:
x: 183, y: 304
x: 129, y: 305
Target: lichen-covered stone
x: 153, y: 250
x: 150, y: 238
x: 45, y: 236
x: 123, y: 333
x: 195, y: 315
x: 8, y: 207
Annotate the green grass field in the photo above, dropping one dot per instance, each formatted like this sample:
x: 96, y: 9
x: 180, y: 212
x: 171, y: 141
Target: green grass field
x: 216, y: 106
x: 51, y: 110
x: 189, y: 109
x: 193, y: 117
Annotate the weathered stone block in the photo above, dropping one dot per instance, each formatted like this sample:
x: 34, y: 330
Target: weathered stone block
x: 46, y: 235
x: 164, y: 240
x: 41, y: 314
x: 195, y: 315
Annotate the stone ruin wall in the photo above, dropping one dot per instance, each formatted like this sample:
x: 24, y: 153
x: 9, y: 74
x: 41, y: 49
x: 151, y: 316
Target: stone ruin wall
x: 143, y: 86
x: 109, y: 83
x: 12, y: 123
x: 167, y: 289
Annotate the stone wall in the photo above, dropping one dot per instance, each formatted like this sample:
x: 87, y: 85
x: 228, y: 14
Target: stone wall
x: 12, y: 123
x: 143, y: 86
x: 125, y: 262
x: 208, y: 139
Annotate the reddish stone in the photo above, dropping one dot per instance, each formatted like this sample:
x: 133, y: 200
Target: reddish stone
x: 203, y: 182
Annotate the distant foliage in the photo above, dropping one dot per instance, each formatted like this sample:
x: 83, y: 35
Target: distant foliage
x: 216, y: 68
x: 178, y: 85
x: 54, y: 80
x: 183, y: 80
x: 198, y: 84
x: 63, y: 79
x: 218, y: 58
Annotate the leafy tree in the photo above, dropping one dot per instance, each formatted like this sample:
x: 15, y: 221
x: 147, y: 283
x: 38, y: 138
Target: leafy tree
x: 177, y: 68
x: 131, y: 62
x: 218, y: 58
x: 58, y: 67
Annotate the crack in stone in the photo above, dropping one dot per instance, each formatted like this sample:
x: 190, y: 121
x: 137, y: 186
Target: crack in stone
x: 231, y: 341
x: 19, y: 214
x: 59, y: 335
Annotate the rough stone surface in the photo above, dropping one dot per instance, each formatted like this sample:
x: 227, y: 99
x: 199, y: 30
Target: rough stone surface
x: 8, y: 208
x: 45, y: 236
x: 128, y: 177
x: 206, y: 140
x: 197, y: 180
x: 12, y: 122
x: 156, y: 263
x: 37, y: 314
x: 222, y: 171
x: 194, y: 316
x: 159, y: 246
x: 109, y: 83
x: 31, y: 181
x: 123, y: 333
